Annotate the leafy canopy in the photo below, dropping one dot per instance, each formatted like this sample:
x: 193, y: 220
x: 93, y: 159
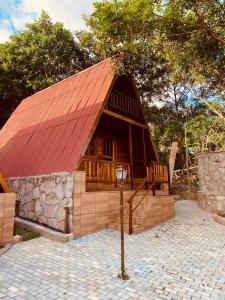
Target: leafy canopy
x: 33, y: 59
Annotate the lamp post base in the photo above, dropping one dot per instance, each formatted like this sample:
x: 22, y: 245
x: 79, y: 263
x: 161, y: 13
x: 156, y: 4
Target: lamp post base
x: 123, y: 276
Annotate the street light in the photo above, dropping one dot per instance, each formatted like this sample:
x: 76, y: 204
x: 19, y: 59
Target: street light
x: 121, y: 175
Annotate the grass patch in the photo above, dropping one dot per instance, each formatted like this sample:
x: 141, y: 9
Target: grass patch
x: 26, y: 234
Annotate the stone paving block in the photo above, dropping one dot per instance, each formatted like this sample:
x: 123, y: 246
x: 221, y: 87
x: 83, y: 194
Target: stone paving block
x: 180, y: 259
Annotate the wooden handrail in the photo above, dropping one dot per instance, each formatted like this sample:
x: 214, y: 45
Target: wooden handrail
x: 131, y: 210
x: 156, y: 173
x: 141, y: 199
x: 137, y: 189
x: 130, y: 204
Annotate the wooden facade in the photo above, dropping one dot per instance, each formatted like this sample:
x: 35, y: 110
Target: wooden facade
x: 121, y: 137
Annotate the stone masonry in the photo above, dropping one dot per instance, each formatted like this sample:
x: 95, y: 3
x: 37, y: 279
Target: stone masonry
x: 211, y: 168
x: 43, y: 199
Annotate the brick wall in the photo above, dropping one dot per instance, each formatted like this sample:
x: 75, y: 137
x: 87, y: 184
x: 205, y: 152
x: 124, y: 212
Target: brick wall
x: 7, y: 213
x: 93, y: 211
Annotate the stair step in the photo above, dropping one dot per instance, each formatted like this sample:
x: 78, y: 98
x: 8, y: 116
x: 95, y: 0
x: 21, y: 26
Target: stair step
x: 136, y: 228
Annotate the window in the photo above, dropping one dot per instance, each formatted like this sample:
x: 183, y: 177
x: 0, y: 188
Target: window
x: 91, y: 148
x: 108, y: 149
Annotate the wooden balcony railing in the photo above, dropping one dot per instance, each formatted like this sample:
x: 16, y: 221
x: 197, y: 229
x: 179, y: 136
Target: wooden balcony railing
x: 103, y: 171
x: 158, y: 173
x: 124, y: 103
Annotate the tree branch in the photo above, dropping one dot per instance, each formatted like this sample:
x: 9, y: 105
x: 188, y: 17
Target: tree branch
x: 205, y: 27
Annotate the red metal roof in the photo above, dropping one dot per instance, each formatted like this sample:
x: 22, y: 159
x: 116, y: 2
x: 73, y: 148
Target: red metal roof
x: 49, y: 130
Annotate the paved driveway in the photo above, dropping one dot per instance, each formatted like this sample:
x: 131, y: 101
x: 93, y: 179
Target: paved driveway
x: 181, y: 259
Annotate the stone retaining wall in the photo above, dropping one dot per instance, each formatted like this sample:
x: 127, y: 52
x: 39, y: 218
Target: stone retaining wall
x: 186, y: 195
x: 42, y: 199
x: 7, y: 213
x: 211, y: 201
x: 211, y: 169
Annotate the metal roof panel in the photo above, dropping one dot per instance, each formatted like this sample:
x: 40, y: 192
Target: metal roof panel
x: 48, y: 131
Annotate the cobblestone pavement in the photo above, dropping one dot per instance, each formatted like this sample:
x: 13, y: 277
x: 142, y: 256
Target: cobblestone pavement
x: 181, y: 259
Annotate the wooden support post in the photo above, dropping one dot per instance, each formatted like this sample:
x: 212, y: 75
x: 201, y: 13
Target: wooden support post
x: 144, y: 153
x: 66, y: 221
x: 131, y: 156
x: 173, y: 153
x: 168, y: 170
x: 153, y: 180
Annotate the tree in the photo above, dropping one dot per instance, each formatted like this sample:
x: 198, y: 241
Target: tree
x: 206, y: 133
x: 33, y: 59
x: 126, y: 30
x: 162, y: 41
x: 168, y: 119
x: 173, y: 48
x: 193, y: 38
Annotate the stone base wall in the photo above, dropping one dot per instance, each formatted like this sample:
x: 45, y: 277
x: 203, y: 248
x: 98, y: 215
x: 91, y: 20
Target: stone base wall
x: 211, y: 171
x: 212, y: 202
x: 7, y: 213
x: 186, y: 195
x: 43, y: 199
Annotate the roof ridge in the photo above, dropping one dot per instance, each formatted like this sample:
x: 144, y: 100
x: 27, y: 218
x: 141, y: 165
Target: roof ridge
x: 84, y: 70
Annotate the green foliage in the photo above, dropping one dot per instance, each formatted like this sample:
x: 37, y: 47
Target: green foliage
x: 176, y: 40
x: 35, y: 58
x: 26, y: 234
x: 193, y: 37
x: 206, y: 133
x: 172, y: 48
x: 126, y: 30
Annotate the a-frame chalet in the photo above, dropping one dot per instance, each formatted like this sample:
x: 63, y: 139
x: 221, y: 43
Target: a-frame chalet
x: 61, y: 146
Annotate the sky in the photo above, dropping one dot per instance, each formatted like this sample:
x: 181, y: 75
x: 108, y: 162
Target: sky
x: 14, y: 14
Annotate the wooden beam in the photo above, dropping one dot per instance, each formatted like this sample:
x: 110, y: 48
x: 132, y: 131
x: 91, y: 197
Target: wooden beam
x: 144, y: 150
x: 131, y: 155
x: 115, y: 115
x: 4, y: 184
x: 173, y: 153
x: 144, y: 153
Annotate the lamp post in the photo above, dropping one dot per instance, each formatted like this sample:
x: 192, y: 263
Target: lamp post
x: 121, y: 175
